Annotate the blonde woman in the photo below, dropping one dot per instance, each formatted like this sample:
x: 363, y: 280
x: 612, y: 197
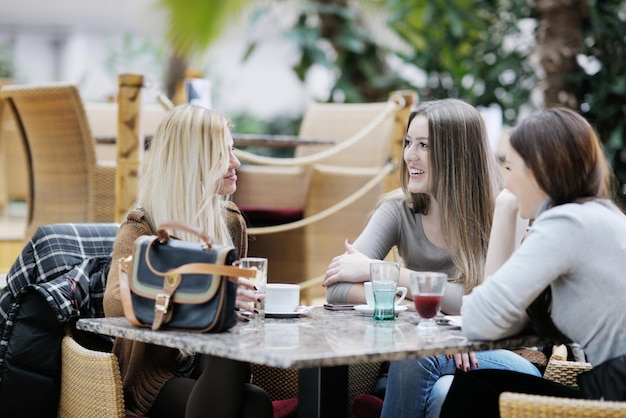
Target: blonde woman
x: 187, y: 174
x: 439, y: 221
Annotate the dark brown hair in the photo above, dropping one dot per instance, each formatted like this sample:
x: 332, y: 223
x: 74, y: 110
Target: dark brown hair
x: 565, y: 155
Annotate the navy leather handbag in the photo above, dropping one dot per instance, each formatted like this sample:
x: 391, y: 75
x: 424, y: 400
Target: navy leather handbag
x: 174, y: 284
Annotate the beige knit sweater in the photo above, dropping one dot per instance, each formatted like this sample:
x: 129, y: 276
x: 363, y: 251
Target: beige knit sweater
x: 145, y: 367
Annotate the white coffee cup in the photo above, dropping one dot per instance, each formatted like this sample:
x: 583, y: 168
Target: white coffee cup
x: 281, y: 297
x: 369, y: 294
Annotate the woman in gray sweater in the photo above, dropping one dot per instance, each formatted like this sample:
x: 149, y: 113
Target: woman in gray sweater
x: 574, y: 252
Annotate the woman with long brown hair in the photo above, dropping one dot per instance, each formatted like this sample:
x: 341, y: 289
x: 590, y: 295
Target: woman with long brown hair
x: 439, y: 221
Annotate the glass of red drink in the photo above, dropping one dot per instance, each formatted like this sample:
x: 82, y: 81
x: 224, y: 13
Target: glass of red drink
x: 427, y: 289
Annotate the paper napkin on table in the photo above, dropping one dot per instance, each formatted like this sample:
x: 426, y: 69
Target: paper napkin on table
x: 455, y: 320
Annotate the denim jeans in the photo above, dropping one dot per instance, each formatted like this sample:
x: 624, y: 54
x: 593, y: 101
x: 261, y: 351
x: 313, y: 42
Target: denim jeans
x: 417, y: 388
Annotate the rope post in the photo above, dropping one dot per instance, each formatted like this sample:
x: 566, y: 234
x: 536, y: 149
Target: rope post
x: 405, y: 99
x: 129, y: 143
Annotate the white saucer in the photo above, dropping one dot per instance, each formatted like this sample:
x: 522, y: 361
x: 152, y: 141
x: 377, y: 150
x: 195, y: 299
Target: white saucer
x: 369, y: 311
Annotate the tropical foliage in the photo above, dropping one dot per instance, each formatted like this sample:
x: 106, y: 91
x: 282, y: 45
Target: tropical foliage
x: 475, y: 50
x: 484, y: 51
x: 602, y: 78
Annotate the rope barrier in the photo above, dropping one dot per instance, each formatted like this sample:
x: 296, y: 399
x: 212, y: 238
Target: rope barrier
x: 384, y: 171
x: 392, y: 106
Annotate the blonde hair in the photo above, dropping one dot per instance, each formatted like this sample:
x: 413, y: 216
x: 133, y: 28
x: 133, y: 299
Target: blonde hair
x: 465, y: 181
x: 183, y: 170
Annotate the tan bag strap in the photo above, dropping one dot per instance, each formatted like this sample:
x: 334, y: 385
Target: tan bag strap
x: 206, y: 268
x: 198, y: 268
x: 123, y: 267
x: 162, y: 237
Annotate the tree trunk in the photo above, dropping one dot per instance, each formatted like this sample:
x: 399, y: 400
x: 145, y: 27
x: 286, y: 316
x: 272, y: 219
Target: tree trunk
x: 176, y: 70
x: 560, y: 40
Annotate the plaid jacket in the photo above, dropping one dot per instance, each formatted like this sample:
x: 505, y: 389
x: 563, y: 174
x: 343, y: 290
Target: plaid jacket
x: 67, y: 264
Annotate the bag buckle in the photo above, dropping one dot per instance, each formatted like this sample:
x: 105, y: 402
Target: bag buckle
x: 125, y: 263
x: 162, y: 303
x: 162, y: 300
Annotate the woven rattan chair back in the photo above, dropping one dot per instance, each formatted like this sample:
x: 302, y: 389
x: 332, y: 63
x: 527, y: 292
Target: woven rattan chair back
x: 563, y: 371
x: 521, y: 405
x: 66, y: 184
x: 91, y: 384
x: 281, y: 188
x: 340, y: 121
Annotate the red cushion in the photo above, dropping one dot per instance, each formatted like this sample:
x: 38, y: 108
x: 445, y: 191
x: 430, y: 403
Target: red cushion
x: 285, y: 408
x: 367, y: 406
x: 266, y: 217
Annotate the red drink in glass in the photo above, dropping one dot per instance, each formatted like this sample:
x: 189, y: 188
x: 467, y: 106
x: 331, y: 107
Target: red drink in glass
x: 427, y: 306
x: 427, y: 288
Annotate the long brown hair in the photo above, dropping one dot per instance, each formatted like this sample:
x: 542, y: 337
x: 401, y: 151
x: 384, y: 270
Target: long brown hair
x: 565, y: 155
x: 465, y: 180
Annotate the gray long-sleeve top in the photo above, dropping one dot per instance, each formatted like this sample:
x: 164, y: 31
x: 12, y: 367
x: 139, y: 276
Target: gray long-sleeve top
x: 394, y: 224
x: 580, y: 251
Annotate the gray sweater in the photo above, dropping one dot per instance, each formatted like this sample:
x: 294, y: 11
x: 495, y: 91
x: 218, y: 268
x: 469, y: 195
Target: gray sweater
x: 394, y: 224
x: 580, y: 251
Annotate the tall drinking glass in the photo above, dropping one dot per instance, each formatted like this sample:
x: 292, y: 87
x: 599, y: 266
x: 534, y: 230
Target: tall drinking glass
x: 260, y: 282
x: 427, y: 288
x: 384, y: 277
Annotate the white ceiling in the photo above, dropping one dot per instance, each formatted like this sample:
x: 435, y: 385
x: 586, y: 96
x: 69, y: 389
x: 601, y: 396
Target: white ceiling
x: 141, y: 16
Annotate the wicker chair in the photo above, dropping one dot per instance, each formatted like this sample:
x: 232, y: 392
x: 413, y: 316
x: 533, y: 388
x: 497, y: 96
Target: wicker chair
x: 66, y: 182
x: 521, y: 405
x: 91, y: 384
x: 284, y: 189
x: 12, y: 159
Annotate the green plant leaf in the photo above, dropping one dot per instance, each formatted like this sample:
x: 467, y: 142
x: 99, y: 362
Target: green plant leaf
x: 194, y: 24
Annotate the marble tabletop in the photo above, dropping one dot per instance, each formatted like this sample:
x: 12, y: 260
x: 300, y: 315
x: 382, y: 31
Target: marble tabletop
x: 317, y: 338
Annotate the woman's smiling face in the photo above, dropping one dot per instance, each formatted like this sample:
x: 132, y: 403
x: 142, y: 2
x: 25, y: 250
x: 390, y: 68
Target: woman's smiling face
x: 416, y: 155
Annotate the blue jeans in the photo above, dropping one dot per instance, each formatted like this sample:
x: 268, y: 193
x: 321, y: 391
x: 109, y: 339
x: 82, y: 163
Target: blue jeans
x: 416, y: 388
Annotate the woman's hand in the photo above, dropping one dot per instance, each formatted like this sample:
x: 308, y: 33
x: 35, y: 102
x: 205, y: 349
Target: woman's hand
x: 465, y: 361
x: 352, y: 266
x: 507, y: 202
x: 246, y: 295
